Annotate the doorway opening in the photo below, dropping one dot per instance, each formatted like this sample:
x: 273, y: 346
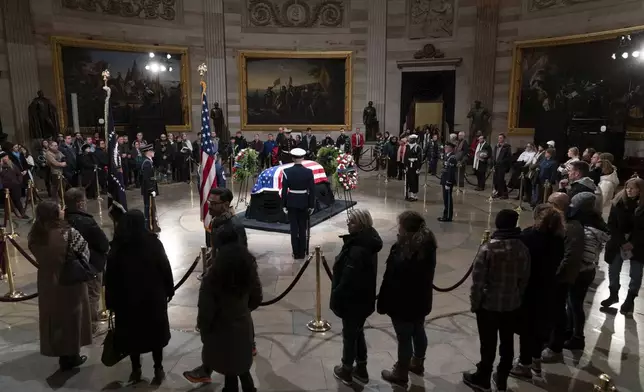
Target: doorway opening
x: 428, y: 98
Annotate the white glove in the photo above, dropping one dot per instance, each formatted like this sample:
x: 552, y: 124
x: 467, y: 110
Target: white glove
x: 285, y: 210
x: 153, y: 193
x: 448, y: 187
x: 311, y: 211
x: 417, y: 171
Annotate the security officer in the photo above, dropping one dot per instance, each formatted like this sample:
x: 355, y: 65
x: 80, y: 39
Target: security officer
x: 148, y: 181
x: 448, y: 178
x: 298, y: 201
x: 413, y: 162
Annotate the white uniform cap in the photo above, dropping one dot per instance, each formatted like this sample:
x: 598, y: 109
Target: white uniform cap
x: 298, y: 153
x: 551, y: 143
x: 413, y: 136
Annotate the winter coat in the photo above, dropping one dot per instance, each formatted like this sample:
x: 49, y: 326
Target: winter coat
x: 64, y: 315
x: 406, y: 291
x: 226, y: 326
x: 586, y: 184
x: 607, y: 184
x: 546, y: 252
x: 10, y: 176
x: 595, y: 230
x: 626, y: 224
x: 353, y: 290
x: 138, y: 285
x: 570, y: 265
x: 96, y: 239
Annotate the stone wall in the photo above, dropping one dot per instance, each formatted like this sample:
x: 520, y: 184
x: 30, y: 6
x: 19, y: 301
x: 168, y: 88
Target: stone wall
x: 6, y: 103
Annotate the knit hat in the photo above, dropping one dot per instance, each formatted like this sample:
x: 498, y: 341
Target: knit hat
x: 583, y: 201
x: 506, y: 219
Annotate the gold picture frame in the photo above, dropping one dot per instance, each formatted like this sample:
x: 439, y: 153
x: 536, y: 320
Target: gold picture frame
x: 516, y: 71
x: 244, y: 55
x: 58, y: 42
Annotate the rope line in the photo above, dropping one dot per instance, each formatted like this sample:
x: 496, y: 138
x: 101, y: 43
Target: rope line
x: 187, y: 274
x: 26, y: 298
x: 24, y: 253
x: 290, y: 287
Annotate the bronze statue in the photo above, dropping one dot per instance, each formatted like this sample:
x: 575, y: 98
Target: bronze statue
x: 217, y: 116
x: 370, y: 121
x: 43, y: 118
x: 480, y: 118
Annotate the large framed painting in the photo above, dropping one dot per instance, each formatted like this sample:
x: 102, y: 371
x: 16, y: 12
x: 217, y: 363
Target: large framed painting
x: 590, y: 76
x: 146, y: 81
x: 295, y: 89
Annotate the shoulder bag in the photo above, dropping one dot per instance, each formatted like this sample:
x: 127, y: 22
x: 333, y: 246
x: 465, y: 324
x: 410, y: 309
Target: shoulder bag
x: 111, y: 354
x: 75, y: 269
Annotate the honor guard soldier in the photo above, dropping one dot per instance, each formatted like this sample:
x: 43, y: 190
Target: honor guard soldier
x: 298, y: 201
x: 286, y: 145
x: 448, y: 178
x: 413, y: 160
x: 148, y: 181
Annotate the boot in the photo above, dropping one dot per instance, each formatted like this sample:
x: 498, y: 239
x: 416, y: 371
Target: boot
x: 575, y: 343
x: 628, y: 306
x: 417, y: 366
x: 360, y: 372
x: 477, y: 381
x: 397, y: 375
x: 135, y: 377
x: 343, y: 373
x: 159, y: 377
x: 611, y: 300
x: 501, y: 382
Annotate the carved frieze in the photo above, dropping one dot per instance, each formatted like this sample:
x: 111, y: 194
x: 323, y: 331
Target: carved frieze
x: 431, y: 18
x: 296, y: 13
x: 143, y: 9
x: 538, y: 5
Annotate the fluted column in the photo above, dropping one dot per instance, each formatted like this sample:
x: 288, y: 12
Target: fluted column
x: 215, y: 53
x: 21, y: 57
x: 487, y: 21
x: 377, y: 58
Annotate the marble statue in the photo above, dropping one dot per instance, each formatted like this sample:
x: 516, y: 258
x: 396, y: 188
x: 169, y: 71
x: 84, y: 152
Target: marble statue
x: 480, y: 118
x: 370, y: 121
x: 43, y: 118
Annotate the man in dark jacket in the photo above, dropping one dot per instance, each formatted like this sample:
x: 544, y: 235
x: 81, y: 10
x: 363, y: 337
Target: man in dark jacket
x: 99, y: 245
x: 566, y: 276
x: 502, y: 160
x: 222, y: 216
x: 578, y: 181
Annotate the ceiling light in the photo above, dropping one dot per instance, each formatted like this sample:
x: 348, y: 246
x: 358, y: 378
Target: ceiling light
x: 636, y: 54
x: 614, y: 56
x: 169, y: 56
x: 170, y: 69
x: 147, y: 67
x: 625, y: 55
x: 151, y: 55
x: 154, y: 67
x: 163, y: 68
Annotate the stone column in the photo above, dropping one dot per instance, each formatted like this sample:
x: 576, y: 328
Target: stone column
x: 377, y: 58
x: 21, y: 57
x: 215, y: 53
x: 484, y: 61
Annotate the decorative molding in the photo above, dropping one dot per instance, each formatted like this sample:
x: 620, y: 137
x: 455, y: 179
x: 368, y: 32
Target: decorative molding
x: 431, y: 18
x: 540, y: 5
x: 326, y: 14
x: 140, y: 9
x: 442, y: 62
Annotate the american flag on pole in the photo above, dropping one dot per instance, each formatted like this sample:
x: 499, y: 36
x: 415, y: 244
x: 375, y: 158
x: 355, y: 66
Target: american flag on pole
x: 207, y: 170
x: 271, y: 178
x: 116, y: 199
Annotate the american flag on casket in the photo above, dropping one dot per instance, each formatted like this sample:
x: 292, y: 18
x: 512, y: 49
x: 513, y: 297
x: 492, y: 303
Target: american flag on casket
x: 270, y: 180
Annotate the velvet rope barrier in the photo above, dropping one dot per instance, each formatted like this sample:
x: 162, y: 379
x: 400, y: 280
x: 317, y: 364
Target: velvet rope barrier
x: 290, y: 287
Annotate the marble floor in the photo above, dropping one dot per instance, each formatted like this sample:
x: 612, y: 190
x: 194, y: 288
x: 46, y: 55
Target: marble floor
x: 290, y: 358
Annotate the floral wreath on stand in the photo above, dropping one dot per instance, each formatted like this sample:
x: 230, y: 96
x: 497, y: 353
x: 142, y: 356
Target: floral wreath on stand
x: 245, y: 167
x: 346, y: 174
x: 327, y: 158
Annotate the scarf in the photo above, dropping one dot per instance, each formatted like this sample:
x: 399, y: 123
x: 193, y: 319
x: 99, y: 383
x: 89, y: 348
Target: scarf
x: 507, y: 234
x: 223, y: 218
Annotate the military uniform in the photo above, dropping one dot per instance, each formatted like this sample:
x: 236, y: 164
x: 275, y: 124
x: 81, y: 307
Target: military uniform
x: 148, y: 183
x: 448, y: 179
x: 298, y: 200
x: 413, y: 161
x: 285, y: 147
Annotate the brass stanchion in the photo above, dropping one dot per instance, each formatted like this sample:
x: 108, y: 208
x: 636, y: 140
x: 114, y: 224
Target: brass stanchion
x: 103, y: 314
x: 546, y: 189
x: 61, y: 191
x: 204, y: 262
x: 13, y: 293
x: 32, y: 200
x: 426, y: 172
x: 491, y: 198
x: 387, y: 169
x: 459, y: 167
x: 8, y: 210
x: 318, y: 324
x: 520, y: 207
x: 98, y: 187
x: 605, y: 384
x: 150, y: 217
x: 486, y: 236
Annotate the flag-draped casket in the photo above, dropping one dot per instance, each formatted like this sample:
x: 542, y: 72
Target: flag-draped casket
x: 265, y: 199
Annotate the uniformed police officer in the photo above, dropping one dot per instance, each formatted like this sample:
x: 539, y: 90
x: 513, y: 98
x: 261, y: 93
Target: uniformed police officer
x: 448, y: 178
x: 298, y: 201
x: 148, y: 181
x: 413, y: 160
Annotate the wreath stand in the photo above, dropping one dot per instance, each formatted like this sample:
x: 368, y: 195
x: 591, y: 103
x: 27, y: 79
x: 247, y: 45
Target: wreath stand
x: 242, y: 196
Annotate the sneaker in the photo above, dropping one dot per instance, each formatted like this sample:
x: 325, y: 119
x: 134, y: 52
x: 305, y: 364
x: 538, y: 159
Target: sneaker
x: 575, y: 343
x: 477, y: 381
x: 549, y: 356
x: 520, y: 370
x: 360, y: 373
x: 343, y: 374
x: 197, y: 376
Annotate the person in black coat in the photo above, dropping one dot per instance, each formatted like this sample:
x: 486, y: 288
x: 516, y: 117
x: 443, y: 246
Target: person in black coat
x: 406, y: 294
x: 222, y: 219
x: 626, y: 226
x: 545, y: 242
x: 138, y: 286
x: 390, y: 150
x: 353, y: 293
x: 502, y: 159
x: 78, y: 218
x: 102, y: 160
x: 86, y: 167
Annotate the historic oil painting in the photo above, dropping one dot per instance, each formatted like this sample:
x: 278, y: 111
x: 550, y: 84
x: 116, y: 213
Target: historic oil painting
x: 146, y: 82
x: 295, y: 89
x: 578, y: 78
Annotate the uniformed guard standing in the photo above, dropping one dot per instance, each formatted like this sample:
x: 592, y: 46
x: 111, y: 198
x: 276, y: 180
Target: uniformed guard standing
x: 413, y: 162
x: 448, y: 178
x: 286, y: 145
x: 298, y: 201
x: 148, y: 181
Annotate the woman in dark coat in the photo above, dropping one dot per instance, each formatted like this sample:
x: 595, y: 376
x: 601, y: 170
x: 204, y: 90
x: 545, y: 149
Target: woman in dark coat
x: 87, y: 167
x: 138, y: 286
x: 390, y: 150
x: 12, y: 179
x: 545, y: 241
x: 406, y: 294
x: 229, y: 291
x: 63, y: 311
x: 353, y: 293
x: 626, y: 226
